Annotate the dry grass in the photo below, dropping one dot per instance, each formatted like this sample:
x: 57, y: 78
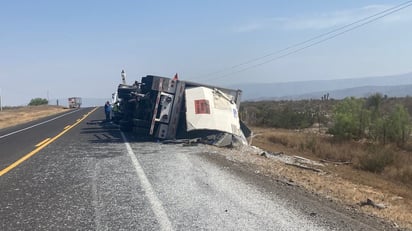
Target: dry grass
x: 392, y: 185
x: 309, y: 144
x: 17, y: 115
x: 390, y: 161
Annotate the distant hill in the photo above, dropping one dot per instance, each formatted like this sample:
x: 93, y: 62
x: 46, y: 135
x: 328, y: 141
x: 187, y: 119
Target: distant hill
x: 395, y: 85
x: 390, y: 91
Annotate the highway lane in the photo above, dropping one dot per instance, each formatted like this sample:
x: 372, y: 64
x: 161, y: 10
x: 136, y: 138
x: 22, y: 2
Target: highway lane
x: 95, y: 178
x: 17, y: 141
x: 64, y: 186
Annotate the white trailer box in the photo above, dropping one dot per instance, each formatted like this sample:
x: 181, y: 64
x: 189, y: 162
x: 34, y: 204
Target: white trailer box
x: 211, y: 109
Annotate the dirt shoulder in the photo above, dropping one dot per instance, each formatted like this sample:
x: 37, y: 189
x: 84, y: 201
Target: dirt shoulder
x: 330, y: 213
x: 340, y: 183
x: 18, y: 115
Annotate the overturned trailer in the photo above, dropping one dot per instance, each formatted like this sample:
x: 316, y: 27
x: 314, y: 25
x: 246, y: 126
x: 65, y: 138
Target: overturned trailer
x: 170, y: 109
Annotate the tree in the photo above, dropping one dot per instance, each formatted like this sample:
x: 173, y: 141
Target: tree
x: 38, y: 101
x: 378, y: 129
x: 374, y: 103
x: 378, y: 122
x: 350, y: 119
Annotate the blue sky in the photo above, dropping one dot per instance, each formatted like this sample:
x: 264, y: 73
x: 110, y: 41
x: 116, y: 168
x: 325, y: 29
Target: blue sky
x: 58, y: 49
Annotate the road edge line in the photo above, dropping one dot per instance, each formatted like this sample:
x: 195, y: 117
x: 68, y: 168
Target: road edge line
x: 155, y: 202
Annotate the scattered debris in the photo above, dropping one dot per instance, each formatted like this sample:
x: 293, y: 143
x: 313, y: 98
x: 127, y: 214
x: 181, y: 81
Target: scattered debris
x: 336, y: 162
x: 304, y: 167
x: 303, y: 160
x: 288, y: 182
x: 189, y: 144
x: 296, y: 161
x: 372, y: 203
x: 395, y: 198
x: 395, y: 225
x: 263, y: 154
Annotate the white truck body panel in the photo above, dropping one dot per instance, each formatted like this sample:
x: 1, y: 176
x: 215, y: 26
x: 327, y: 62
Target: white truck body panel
x: 211, y: 109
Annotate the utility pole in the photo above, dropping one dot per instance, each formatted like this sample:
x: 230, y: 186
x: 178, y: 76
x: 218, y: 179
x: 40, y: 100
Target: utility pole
x: 1, y: 102
x: 123, y: 74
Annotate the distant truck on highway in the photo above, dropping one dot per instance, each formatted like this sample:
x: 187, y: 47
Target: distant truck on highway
x: 75, y: 102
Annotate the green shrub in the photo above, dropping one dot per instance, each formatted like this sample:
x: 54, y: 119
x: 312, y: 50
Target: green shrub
x: 38, y: 101
x: 375, y: 159
x: 350, y: 119
x: 398, y: 125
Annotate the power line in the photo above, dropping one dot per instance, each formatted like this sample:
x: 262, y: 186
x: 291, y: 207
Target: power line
x: 308, y: 46
x: 350, y: 26
x: 321, y: 35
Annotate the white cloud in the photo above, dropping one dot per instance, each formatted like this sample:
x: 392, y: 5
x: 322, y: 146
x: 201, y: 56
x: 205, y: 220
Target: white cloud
x: 326, y: 20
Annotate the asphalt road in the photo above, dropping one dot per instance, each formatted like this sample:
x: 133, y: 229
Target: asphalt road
x: 93, y: 177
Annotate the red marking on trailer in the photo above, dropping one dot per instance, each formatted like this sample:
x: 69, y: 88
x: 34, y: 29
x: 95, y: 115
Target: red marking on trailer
x: 202, y: 106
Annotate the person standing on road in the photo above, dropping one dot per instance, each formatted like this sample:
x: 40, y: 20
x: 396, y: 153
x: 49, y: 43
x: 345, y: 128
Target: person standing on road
x: 107, y: 110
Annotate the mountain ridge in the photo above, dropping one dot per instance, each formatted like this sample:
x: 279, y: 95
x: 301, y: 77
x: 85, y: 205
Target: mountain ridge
x: 363, y: 91
x: 388, y: 85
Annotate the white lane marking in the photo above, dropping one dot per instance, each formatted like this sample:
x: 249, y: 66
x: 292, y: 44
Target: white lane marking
x: 35, y: 125
x: 156, y: 204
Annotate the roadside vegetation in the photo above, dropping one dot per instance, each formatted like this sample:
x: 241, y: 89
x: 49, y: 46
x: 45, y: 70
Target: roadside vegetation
x: 370, y: 134
x: 38, y: 101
